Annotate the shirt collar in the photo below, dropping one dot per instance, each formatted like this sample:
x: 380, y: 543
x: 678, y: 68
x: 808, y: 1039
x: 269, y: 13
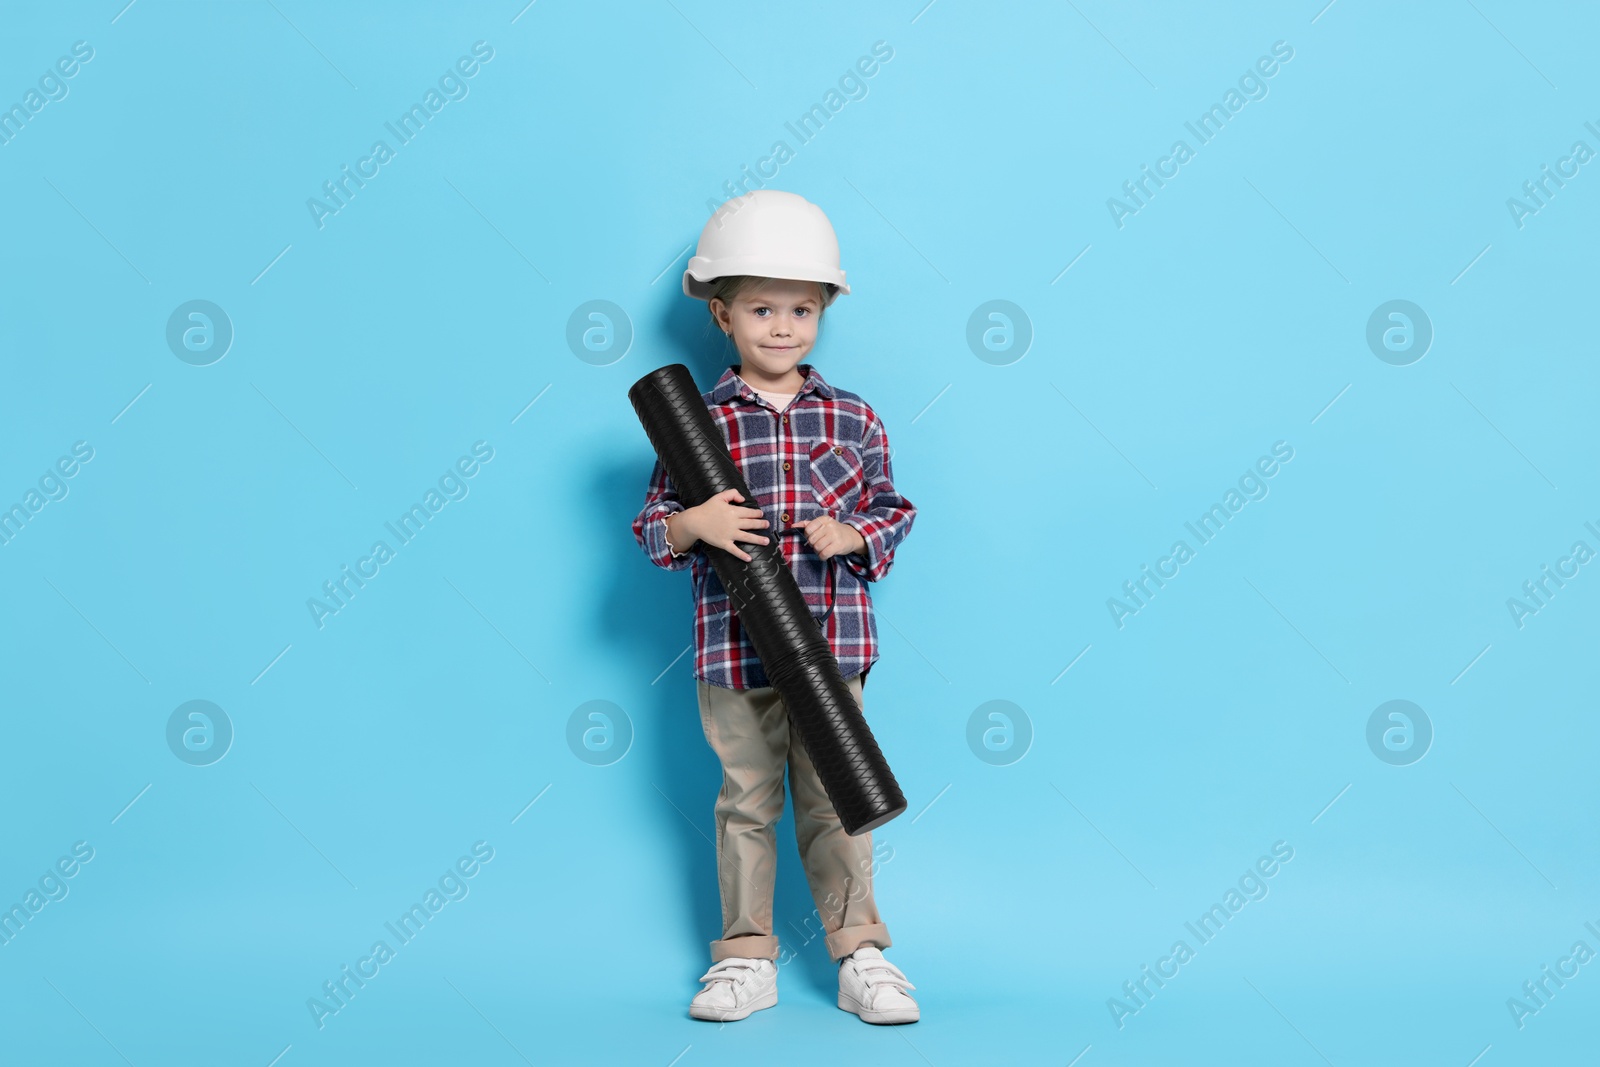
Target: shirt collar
x: 731, y: 385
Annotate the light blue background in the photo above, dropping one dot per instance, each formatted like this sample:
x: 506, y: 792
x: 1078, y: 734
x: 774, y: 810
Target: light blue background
x: 1228, y: 314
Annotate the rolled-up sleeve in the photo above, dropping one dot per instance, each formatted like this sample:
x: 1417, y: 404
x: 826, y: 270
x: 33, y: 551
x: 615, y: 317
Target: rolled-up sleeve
x: 883, y: 517
x: 650, y: 526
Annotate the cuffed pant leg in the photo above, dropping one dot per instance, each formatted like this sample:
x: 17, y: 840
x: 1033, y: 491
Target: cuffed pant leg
x: 838, y: 866
x: 748, y: 729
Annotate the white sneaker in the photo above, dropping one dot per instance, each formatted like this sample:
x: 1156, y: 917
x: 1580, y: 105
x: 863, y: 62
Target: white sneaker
x: 735, y: 987
x: 874, y: 988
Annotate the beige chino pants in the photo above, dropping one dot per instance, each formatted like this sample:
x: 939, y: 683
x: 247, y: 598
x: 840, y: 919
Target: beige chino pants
x: 750, y: 733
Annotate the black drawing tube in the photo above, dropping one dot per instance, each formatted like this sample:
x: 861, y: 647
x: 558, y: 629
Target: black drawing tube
x: 763, y: 593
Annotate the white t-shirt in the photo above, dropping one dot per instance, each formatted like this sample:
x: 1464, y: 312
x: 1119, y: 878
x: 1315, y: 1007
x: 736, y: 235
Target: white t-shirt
x: 781, y: 401
x: 778, y: 400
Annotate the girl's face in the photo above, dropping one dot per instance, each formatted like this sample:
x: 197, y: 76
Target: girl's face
x: 774, y: 327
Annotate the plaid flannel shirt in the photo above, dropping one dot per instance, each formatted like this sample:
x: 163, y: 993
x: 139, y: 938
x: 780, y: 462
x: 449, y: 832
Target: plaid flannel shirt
x: 827, y: 452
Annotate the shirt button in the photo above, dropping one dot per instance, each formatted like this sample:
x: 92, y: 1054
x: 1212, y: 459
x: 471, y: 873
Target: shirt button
x: 786, y: 465
x: 784, y: 516
x: 838, y: 451
x: 786, y: 418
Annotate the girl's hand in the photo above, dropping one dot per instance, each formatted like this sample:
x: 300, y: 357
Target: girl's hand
x: 830, y: 537
x: 721, y: 522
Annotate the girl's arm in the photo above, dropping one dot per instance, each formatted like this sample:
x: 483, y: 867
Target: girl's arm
x: 883, y: 517
x: 650, y: 527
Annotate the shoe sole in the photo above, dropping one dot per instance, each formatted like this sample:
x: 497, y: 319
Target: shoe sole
x: 880, y: 1018
x: 720, y: 1015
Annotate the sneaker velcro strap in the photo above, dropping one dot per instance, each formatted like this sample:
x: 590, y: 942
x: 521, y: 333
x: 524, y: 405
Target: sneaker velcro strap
x: 729, y: 970
x: 882, y: 971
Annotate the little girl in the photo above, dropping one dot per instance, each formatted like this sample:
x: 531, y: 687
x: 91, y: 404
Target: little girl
x: 816, y: 459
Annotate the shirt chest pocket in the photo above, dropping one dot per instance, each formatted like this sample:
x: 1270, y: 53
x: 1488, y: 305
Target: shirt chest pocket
x: 837, y: 476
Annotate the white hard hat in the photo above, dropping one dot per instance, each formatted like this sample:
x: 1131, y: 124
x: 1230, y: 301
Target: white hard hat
x: 768, y: 233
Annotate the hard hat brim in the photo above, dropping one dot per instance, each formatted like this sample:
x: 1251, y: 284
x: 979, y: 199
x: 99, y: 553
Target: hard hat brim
x: 702, y: 272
